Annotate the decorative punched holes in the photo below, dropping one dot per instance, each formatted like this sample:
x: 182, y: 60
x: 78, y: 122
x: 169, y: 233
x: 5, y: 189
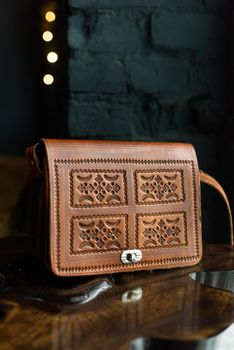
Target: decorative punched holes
x: 98, y: 188
x: 161, y: 230
x: 98, y: 233
x: 159, y: 186
x: 164, y: 227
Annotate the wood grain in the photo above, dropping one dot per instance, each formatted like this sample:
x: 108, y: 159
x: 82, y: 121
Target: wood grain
x: 39, y: 311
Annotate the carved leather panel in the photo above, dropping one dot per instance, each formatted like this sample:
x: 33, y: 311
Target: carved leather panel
x: 159, y: 186
x: 98, y: 188
x: 98, y: 233
x: 161, y: 230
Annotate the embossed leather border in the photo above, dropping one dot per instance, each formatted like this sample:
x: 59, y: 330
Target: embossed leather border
x: 109, y: 267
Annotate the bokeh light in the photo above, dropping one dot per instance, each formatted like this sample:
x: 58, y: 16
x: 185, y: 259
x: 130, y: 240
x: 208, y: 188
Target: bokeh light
x: 52, y: 57
x: 48, y: 79
x: 50, y: 16
x: 47, y: 35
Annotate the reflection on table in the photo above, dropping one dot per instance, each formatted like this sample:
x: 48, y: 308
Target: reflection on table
x: 174, y: 309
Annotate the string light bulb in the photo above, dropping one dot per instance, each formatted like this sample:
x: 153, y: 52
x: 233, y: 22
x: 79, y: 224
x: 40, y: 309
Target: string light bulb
x: 52, y: 57
x: 47, y: 36
x: 50, y: 16
x: 48, y: 79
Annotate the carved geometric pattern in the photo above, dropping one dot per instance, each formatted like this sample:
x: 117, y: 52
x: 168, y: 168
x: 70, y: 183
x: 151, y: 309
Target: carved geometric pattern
x: 161, y: 230
x: 159, y: 186
x: 92, y: 188
x: 73, y: 268
x: 98, y: 233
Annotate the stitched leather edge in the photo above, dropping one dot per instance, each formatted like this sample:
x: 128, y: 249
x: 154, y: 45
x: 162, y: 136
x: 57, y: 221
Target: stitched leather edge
x: 57, y: 218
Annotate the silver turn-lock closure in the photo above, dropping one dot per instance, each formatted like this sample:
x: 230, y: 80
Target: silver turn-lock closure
x: 131, y: 256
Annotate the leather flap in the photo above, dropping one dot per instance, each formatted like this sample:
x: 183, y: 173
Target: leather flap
x: 107, y: 197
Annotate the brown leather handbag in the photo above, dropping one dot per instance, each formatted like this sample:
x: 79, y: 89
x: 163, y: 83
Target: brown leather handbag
x: 101, y: 207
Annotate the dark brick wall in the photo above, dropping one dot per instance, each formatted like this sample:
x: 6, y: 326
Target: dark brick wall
x: 154, y: 70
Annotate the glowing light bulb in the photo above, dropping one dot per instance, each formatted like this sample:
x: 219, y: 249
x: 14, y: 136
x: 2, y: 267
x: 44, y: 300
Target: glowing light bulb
x: 47, y: 36
x: 50, y: 16
x: 48, y: 79
x: 52, y: 57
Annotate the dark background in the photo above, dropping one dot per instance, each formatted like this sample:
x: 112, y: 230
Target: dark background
x: 128, y: 69
x: 19, y: 75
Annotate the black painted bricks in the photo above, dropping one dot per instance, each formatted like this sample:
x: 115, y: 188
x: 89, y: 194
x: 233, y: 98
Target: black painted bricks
x: 154, y: 70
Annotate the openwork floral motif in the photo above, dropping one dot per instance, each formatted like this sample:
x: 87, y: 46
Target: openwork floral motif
x: 99, y: 233
x: 159, y: 186
x: 98, y: 188
x: 162, y: 230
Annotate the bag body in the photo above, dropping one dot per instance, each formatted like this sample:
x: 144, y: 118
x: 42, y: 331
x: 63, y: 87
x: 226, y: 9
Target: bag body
x: 101, y: 207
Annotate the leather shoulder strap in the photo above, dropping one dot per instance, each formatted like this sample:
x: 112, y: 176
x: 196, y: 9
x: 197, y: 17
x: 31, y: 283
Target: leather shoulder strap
x: 209, y: 180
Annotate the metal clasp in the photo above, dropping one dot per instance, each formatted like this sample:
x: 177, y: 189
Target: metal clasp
x: 131, y: 256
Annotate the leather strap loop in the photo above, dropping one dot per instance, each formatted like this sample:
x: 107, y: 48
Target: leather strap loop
x: 209, y: 180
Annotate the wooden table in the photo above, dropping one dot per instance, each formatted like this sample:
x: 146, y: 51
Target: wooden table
x: 146, y: 310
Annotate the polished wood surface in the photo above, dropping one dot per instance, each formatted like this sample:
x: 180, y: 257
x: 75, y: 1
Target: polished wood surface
x: 168, y: 309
